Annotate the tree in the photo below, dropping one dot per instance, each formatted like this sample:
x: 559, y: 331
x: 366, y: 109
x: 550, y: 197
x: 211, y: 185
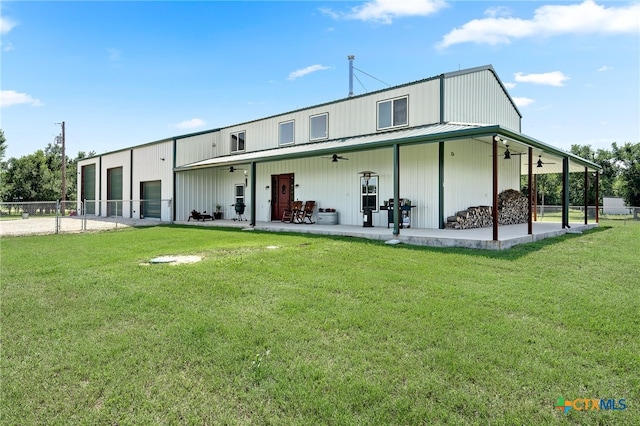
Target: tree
x: 3, y: 145
x: 627, y: 158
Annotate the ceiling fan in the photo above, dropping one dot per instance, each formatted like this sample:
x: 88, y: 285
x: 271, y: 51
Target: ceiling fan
x: 508, y: 154
x: 540, y: 163
x: 335, y: 157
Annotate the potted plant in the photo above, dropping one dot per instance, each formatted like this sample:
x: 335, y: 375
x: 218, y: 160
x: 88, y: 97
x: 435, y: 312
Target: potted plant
x: 218, y: 213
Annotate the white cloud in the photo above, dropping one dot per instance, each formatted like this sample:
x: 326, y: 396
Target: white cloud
x: 555, y: 78
x: 551, y: 20
x: 385, y: 11
x: 522, y: 102
x: 494, y: 12
x: 6, y: 25
x: 11, y: 97
x: 308, y: 70
x: 190, y: 124
x: 510, y: 85
x: 605, y: 68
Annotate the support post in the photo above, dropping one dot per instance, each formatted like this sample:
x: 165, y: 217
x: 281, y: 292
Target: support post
x: 597, y: 197
x: 495, y: 189
x: 535, y: 198
x: 396, y: 189
x: 253, y: 194
x: 565, y: 193
x: 586, y: 195
x: 530, y: 172
x: 441, y: 218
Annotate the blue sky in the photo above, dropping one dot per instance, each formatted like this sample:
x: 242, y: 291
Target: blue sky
x: 127, y: 73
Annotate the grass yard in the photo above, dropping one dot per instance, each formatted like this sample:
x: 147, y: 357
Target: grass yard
x: 319, y: 330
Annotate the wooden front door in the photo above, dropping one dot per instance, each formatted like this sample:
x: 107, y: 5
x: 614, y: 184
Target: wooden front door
x: 281, y: 194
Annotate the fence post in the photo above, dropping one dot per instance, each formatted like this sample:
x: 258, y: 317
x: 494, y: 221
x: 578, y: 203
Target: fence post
x: 57, y: 216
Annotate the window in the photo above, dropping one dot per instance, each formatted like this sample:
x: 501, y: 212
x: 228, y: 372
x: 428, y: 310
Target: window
x: 237, y: 141
x: 285, y: 134
x: 239, y: 194
x: 393, y: 113
x: 369, y: 193
x: 318, y: 126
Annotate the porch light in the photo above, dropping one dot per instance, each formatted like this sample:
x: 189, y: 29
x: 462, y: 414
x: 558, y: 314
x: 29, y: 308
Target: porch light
x: 539, y: 164
x: 507, y: 154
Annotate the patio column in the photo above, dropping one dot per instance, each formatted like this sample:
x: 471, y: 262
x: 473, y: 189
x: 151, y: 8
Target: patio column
x: 586, y: 195
x: 495, y: 189
x: 441, y: 218
x: 253, y: 194
x: 565, y: 193
x: 396, y: 189
x: 597, y: 197
x: 530, y: 181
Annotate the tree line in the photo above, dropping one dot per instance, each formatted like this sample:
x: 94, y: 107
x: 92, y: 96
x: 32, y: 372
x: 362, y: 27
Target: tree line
x: 38, y: 176
x: 619, y: 177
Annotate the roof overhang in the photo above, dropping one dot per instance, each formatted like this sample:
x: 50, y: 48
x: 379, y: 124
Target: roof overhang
x: 433, y: 133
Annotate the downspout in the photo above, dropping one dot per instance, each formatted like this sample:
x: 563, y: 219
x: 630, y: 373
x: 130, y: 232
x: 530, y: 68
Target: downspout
x: 131, y: 184
x: 442, y: 98
x: 495, y: 188
x: 529, y: 184
x: 441, y: 218
x: 253, y: 194
x: 396, y: 189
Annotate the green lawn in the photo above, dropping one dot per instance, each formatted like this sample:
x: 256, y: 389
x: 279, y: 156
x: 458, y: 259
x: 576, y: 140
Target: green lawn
x: 316, y: 331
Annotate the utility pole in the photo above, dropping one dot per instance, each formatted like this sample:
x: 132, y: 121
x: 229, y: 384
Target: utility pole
x: 64, y: 167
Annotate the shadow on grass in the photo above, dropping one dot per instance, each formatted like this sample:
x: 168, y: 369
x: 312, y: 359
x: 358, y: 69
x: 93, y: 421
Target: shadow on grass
x: 512, y: 253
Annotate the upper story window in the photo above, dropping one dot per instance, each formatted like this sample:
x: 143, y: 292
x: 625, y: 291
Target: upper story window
x: 393, y: 113
x: 237, y: 141
x: 319, y: 126
x: 285, y: 133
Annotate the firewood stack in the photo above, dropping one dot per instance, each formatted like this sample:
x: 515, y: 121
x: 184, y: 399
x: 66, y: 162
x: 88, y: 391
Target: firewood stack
x: 512, y: 209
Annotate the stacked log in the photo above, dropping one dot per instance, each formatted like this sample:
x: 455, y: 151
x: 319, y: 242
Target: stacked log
x: 512, y: 209
x: 473, y: 217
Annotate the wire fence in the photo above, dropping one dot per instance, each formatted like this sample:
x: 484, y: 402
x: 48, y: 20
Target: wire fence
x: 54, y: 217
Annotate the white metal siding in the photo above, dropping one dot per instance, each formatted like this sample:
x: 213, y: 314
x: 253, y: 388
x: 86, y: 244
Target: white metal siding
x: 149, y: 166
x: 331, y: 185
x: 349, y: 117
x: 468, y: 175
x: 478, y: 97
x: 109, y: 161
x: 199, y: 147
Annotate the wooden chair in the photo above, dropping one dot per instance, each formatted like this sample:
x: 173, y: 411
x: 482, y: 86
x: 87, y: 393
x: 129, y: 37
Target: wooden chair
x: 290, y: 214
x: 306, y: 213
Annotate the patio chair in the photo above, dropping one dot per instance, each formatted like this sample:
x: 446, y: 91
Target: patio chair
x: 290, y: 214
x: 306, y: 213
x: 196, y: 215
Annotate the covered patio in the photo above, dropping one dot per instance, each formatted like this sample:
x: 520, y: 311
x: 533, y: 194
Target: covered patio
x: 478, y: 238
